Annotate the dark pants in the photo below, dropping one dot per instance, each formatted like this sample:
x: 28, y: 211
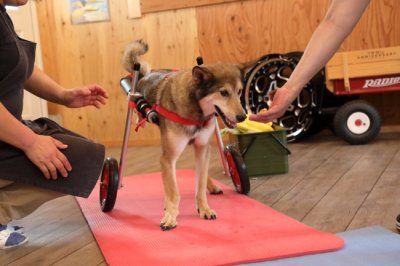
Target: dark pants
x: 85, y: 156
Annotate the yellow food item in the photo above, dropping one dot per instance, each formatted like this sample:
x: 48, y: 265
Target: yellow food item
x: 248, y: 126
x: 243, y: 127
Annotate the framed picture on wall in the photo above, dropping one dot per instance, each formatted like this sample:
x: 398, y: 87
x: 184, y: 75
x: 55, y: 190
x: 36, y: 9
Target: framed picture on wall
x: 87, y: 11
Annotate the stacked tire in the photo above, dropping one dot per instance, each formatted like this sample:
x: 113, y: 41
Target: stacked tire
x: 271, y: 72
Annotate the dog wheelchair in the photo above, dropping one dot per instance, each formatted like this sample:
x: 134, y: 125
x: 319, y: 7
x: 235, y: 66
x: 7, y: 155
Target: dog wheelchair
x: 112, y: 172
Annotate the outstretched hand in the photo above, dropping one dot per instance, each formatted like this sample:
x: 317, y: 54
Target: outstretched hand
x: 281, y: 99
x: 87, y: 95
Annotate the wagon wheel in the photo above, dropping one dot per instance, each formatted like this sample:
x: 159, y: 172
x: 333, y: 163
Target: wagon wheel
x: 109, y: 184
x: 357, y: 122
x: 237, y: 169
x: 268, y: 76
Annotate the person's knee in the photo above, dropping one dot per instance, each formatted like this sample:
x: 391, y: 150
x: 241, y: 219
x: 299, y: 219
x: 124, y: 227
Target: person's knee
x: 82, y: 152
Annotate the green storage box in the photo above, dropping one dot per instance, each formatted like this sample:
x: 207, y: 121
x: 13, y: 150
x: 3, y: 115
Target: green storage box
x: 264, y: 153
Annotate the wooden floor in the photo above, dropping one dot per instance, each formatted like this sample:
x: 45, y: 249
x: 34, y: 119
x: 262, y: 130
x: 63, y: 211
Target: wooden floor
x: 331, y: 186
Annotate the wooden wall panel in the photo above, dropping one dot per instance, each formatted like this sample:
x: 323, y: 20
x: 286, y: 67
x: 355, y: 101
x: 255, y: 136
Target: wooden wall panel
x: 243, y: 31
x: 233, y: 32
x: 91, y: 53
x: 148, y: 6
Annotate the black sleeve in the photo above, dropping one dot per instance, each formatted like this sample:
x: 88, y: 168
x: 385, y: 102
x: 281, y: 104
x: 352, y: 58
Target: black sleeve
x: 8, y: 48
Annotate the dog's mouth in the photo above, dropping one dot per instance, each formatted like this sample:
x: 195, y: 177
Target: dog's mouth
x: 229, y: 123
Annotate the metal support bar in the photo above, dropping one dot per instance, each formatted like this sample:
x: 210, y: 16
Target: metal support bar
x: 221, y: 148
x: 125, y: 145
x: 128, y: 122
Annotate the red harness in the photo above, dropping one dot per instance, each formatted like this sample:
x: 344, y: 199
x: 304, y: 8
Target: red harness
x: 176, y: 118
x: 170, y: 116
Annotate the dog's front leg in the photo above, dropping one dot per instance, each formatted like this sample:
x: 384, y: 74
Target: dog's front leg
x: 172, y: 147
x: 202, y: 159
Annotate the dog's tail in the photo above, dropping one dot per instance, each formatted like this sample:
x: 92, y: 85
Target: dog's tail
x: 132, y: 55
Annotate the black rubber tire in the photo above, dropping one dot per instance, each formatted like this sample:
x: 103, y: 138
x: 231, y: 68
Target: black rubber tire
x: 109, y: 184
x: 344, y: 113
x: 237, y: 170
x: 270, y: 73
x: 319, y: 121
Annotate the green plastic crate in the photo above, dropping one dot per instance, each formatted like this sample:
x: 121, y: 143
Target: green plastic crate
x: 264, y: 153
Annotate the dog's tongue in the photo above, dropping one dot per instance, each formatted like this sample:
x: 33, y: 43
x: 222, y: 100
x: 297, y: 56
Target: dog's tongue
x: 230, y: 123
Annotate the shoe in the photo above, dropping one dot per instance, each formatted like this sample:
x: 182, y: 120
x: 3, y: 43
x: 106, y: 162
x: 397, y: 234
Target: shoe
x: 10, y: 238
x: 13, y: 228
x: 398, y: 223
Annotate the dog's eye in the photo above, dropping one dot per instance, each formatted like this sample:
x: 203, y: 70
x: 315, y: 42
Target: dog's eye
x: 224, y: 93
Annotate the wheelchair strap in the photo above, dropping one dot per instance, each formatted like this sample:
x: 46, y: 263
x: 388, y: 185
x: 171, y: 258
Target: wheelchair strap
x: 178, y: 119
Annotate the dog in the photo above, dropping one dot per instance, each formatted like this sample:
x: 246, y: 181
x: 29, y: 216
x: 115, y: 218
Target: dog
x: 195, y: 95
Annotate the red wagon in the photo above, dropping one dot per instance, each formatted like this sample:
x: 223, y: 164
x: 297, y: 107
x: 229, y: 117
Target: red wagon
x: 357, y: 73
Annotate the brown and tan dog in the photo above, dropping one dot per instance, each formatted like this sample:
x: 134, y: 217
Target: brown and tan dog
x: 195, y: 95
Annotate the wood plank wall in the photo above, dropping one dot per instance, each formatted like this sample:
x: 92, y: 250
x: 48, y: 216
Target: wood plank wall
x: 148, y: 6
x: 91, y: 53
x: 231, y: 32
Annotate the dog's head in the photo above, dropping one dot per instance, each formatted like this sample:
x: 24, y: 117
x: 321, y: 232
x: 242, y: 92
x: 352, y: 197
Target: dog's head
x: 218, y: 88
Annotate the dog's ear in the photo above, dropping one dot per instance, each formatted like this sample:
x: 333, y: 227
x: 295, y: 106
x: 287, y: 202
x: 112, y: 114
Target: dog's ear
x: 201, y: 75
x: 246, y: 67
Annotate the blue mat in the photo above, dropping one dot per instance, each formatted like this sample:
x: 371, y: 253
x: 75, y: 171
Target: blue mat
x: 369, y: 246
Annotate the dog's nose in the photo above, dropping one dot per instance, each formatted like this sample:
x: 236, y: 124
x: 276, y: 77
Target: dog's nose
x: 241, y: 118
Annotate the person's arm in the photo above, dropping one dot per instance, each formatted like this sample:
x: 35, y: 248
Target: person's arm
x: 44, y: 87
x: 43, y: 151
x: 338, y: 23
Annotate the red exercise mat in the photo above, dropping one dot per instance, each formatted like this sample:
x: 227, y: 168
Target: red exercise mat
x: 245, y: 230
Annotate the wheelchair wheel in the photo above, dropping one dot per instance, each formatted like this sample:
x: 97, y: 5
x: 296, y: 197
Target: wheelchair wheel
x: 237, y: 170
x: 109, y: 184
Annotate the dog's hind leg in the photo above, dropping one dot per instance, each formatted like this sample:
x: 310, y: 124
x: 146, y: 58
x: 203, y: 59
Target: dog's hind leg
x: 172, y: 147
x: 202, y: 160
x: 213, y: 188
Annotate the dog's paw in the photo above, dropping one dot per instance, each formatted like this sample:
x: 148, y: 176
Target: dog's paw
x: 165, y: 227
x: 168, y: 222
x: 207, y: 214
x: 214, y: 189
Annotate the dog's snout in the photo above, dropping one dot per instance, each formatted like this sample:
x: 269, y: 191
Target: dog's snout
x: 241, y: 118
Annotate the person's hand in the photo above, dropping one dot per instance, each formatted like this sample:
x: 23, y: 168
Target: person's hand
x: 45, y: 153
x: 281, y: 99
x: 87, y: 95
